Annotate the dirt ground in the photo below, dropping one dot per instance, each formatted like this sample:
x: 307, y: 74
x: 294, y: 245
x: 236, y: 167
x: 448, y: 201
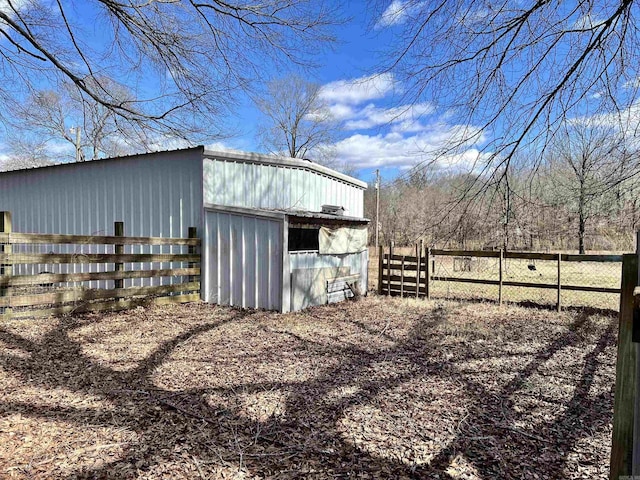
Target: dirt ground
x: 376, y: 388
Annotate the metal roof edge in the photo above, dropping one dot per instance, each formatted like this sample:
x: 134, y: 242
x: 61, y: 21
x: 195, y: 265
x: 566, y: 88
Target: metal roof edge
x: 199, y: 148
x: 248, y: 211
x: 251, y: 157
x: 281, y: 213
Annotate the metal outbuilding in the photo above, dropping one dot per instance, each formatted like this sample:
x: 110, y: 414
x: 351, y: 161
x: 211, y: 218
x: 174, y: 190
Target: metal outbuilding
x: 265, y: 241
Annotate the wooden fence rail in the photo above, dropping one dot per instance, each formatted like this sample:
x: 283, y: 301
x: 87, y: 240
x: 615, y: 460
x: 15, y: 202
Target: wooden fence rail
x: 406, y: 275
x: 40, y: 294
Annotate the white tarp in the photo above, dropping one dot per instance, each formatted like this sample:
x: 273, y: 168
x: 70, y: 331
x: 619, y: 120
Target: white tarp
x: 338, y: 241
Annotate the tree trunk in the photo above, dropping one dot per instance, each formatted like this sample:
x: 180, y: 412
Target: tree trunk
x: 581, y: 234
x: 581, y: 216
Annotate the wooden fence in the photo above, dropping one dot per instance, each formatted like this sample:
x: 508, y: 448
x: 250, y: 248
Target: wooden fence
x: 625, y: 438
x: 413, y: 276
x: 36, y: 295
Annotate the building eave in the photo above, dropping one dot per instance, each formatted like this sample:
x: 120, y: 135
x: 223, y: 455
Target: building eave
x: 262, y: 159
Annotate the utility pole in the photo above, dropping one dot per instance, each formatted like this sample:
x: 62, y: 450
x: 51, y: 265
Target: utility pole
x: 77, y: 131
x: 377, y: 205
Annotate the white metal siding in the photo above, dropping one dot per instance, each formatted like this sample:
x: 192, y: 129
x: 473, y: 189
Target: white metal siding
x: 154, y: 195
x: 253, y: 185
x: 357, y: 262
x: 242, y: 257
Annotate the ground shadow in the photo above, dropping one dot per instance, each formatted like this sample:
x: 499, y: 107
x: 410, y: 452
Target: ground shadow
x: 305, y: 439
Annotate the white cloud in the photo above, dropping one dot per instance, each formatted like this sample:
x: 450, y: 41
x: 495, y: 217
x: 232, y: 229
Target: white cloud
x: 15, y: 5
x: 222, y: 147
x: 405, y: 134
x: 588, y: 22
x: 57, y: 148
x: 404, y: 117
x: 359, y: 90
x: 625, y: 120
x: 396, y: 149
x: 395, y: 14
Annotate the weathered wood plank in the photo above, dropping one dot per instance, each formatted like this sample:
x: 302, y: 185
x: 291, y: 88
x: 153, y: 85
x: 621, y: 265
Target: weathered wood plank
x: 418, y: 255
x: 58, y: 258
x: 428, y: 273
x: 115, y: 305
x: 118, y: 228
x: 530, y: 255
x: 41, y: 238
x: 79, y: 295
x: 509, y: 283
x: 527, y: 255
x: 559, y: 300
x: 398, y: 266
x: 398, y: 278
x: 626, y: 376
x: 402, y: 278
x: 464, y: 253
x: 500, y: 282
x: 5, y: 270
x: 408, y: 289
x: 584, y: 288
x: 406, y: 258
x: 193, y: 233
x: 566, y: 257
x: 380, y: 268
x: 389, y: 265
x: 30, y: 280
x: 591, y: 258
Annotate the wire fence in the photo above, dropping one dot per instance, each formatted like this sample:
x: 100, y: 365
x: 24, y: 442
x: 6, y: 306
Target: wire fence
x: 582, y: 283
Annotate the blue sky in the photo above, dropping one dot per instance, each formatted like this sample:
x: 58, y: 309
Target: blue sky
x: 374, y: 128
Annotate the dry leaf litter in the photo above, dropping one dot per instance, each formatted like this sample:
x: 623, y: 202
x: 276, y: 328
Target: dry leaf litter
x: 373, y: 389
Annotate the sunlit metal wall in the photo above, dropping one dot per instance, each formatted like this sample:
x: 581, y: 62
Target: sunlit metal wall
x: 243, y: 255
x: 253, y: 181
x: 156, y: 194
x: 308, y: 275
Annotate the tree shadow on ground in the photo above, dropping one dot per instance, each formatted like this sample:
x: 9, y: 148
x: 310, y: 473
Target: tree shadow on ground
x: 338, y: 422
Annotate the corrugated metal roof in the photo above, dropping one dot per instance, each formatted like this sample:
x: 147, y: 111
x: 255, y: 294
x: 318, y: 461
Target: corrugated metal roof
x: 324, y: 216
x: 281, y: 213
x: 249, y: 157
x: 69, y: 164
x: 243, y: 157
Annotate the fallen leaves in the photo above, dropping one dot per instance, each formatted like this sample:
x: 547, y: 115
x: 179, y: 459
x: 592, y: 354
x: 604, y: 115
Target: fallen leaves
x: 374, y: 389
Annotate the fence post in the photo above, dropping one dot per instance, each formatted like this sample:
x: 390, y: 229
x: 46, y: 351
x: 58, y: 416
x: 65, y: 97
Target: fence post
x: 621, y: 462
x: 428, y: 272
x: 7, y: 268
x: 380, y: 268
x: 402, y: 277
x: 118, y: 228
x: 193, y: 233
x: 389, y: 268
x: 418, y: 255
x: 559, y: 282
x: 500, y: 277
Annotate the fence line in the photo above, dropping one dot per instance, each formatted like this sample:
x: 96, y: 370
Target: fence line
x: 409, y: 275
x: 24, y: 292
x: 625, y: 410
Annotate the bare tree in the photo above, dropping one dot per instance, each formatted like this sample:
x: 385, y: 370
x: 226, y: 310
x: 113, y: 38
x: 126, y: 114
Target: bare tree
x: 295, y: 120
x: 585, y: 160
x: 515, y: 69
x: 47, y: 116
x: 197, y: 54
x: 25, y: 155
